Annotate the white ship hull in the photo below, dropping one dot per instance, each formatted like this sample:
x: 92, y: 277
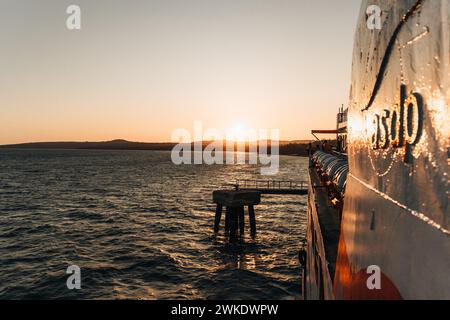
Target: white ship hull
x: 396, y: 211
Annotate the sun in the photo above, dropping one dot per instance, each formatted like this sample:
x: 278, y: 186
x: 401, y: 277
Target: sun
x: 240, y: 132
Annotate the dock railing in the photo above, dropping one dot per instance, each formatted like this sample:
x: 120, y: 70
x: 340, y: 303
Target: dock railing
x: 274, y: 185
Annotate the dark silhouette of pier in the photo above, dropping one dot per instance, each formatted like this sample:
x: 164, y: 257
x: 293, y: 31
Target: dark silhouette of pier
x: 247, y: 193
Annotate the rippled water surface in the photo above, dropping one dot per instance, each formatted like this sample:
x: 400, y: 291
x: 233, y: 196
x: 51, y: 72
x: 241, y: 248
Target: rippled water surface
x: 139, y: 227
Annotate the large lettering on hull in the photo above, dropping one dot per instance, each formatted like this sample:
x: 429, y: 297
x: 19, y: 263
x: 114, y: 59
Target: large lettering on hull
x: 400, y: 127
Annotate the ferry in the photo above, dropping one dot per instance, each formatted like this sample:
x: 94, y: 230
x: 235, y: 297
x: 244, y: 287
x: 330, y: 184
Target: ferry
x: 378, y: 201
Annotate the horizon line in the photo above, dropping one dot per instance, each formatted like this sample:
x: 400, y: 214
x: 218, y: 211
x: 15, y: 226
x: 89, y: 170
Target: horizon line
x: 151, y: 142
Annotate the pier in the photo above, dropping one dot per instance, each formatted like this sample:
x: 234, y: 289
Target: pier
x: 247, y: 193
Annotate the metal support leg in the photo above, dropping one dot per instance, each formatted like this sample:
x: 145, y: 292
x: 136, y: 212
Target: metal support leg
x: 217, y: 218
x: 241, y: 221
x: 233, y: 224
x: 251, y: 214
x: 227, y: 219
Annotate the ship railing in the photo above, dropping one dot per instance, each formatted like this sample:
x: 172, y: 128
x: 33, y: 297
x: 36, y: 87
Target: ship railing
x: 342, y: 116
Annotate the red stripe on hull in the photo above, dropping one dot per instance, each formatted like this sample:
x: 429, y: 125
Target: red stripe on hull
x: 350, y: 285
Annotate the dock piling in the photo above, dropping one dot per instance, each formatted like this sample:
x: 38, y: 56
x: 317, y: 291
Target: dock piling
x: 227, y: 219
x: 252, y: 219
x: 235, y: 202
x: 234, y: 225
x: 218, y: 217
x: 241, y: 221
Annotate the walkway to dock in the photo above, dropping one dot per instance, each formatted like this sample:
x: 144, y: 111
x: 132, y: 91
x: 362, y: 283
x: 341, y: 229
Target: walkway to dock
x: 273, y: 186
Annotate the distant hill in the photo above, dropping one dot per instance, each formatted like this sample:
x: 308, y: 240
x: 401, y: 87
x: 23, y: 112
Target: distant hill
x: 298, y: 147
x: 111, y: 145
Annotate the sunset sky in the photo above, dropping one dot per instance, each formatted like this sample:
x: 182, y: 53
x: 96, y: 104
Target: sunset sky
x: 139, y: 69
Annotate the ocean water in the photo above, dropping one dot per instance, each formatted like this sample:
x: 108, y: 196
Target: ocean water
x: 139, y: 227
